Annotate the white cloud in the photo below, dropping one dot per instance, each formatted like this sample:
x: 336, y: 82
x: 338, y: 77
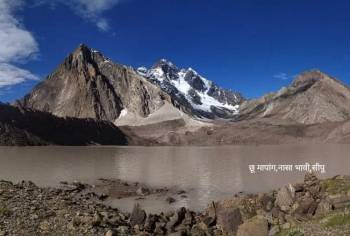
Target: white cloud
x: 102, y: 24
x: 16, y: 45
x: 11, y: 75
x: 90, y: 10
x: 282, y: 76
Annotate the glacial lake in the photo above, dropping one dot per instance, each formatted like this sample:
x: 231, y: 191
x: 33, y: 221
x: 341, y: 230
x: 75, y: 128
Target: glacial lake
x: 205, y: 173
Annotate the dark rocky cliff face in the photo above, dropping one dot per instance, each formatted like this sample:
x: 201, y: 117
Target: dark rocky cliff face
x: 89, y: 85
x: 26, y: 127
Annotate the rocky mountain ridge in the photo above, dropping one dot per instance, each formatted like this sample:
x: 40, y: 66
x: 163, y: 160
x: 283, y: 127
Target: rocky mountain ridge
x: 89, y: 85
x: 313, y: 97
x: 200, y: 95
x: 170, y: 106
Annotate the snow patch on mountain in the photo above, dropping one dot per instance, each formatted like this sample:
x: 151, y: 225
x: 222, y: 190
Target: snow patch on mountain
x: 201, y: 93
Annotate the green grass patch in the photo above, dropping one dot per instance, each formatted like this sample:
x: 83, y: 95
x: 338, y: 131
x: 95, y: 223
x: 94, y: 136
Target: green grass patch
x: 334, y: 186
x: 341, y: 219
x: 290, y: 232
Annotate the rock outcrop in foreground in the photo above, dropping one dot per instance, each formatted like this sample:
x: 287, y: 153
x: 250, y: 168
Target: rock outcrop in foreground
x: 313, y: 208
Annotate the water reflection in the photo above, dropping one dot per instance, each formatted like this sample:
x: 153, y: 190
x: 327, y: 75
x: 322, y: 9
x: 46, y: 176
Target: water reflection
x: 207, y: 173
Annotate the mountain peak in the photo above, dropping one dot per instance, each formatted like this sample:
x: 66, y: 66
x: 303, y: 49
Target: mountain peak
x: 83, y: 45
x: 313, y: 97
x: 163, y: 63
x: 309, y: 77
x: 85, y: 54
x: 199, y: 95
x: 82, y: 48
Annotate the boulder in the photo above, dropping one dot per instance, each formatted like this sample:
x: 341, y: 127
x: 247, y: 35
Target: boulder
x: 150, y: 223
x: 266, y: 201
x: 229, y: 219
x: 339, y: 201
x: 306, y: 206
x: 324, y: 207
x: 311, y: 179
x: 197, y: 230
x: 189, y: 218
x: 285, y: 198
x: 255, y: 226
x: 274, y: 230
x: 110, y: 233
x: 312, y: 184
x: 176, y: 219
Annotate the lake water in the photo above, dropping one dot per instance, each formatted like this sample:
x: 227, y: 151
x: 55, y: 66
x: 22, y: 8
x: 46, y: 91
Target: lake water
x: 206, y: 173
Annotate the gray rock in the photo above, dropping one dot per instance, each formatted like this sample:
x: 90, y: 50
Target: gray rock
x: 253, y: 227
x: 198, y: 231
x: 189, y: 218
x: 274, y: 230
x: 123, y: 230
x: 284, y: 198
x: 176, y: 219
x: 150, y: 223
x: 306, y: 206
x: 209, y: 221
x: 324, y: 207
x: 110, y: 233
x: 339, y: 201
x: 266, y: 201
x: 229, y: 219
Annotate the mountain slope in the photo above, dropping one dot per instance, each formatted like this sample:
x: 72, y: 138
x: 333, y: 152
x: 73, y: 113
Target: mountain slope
x: 20, y: 126
x: 89, y: 85
x: 313, y: 97
x: 203, y: 97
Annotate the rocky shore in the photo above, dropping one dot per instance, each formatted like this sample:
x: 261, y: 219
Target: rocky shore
x: 314, y: 207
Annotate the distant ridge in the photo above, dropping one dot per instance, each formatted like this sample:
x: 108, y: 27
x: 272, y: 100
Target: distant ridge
x: 313, y: 97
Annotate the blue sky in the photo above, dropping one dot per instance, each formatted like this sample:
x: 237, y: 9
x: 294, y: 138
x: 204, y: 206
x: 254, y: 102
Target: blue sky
x: 251, y: 46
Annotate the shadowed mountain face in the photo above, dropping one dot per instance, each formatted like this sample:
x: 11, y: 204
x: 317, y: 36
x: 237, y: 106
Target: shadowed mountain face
x: 25, y: 127
x: 89, y: 85
x: 313, y: 97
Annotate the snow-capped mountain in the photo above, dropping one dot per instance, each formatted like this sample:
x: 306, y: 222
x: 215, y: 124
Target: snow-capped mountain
x: 203, y: 97
x: 89, y: 85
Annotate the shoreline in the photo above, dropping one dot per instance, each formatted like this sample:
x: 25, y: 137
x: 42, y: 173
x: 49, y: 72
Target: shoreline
x: 72, y: 209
